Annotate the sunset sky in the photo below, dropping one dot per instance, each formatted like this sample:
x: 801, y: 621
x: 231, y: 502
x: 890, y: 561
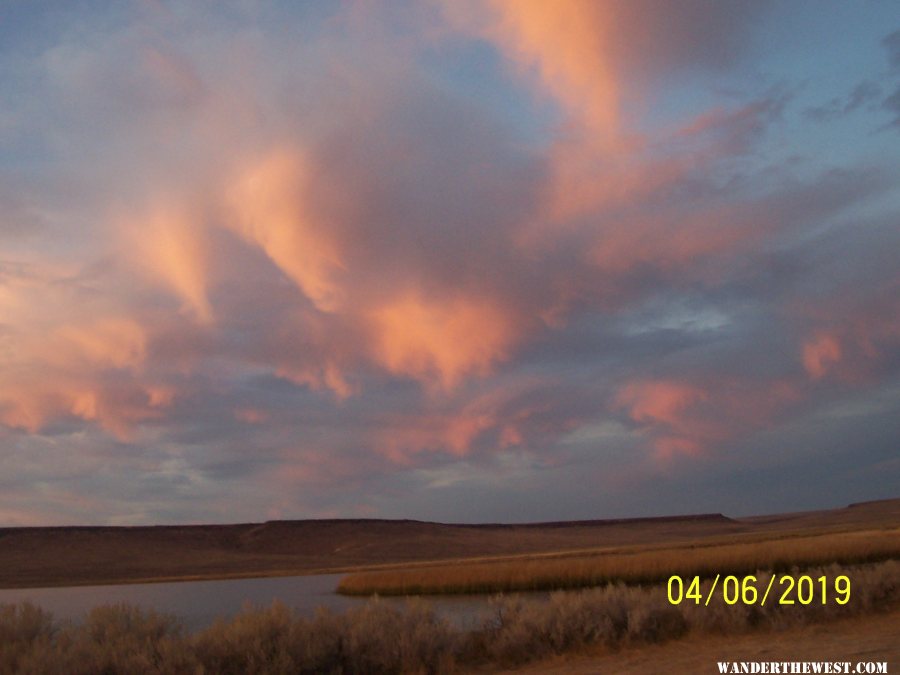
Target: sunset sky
x: 499, y: 260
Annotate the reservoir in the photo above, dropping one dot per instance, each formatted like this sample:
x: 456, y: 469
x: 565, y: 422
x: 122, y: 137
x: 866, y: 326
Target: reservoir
x: 199, y: 603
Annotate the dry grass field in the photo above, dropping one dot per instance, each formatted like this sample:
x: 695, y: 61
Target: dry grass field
x: 629, y: 565
x: 31, y: 557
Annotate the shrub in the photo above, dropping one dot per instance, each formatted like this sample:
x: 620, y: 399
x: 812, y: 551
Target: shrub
x: 377, y: 638
x: 24, y: 629
x: 112, y: 639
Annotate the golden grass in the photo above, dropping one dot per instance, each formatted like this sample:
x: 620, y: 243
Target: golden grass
x: 632, y: 566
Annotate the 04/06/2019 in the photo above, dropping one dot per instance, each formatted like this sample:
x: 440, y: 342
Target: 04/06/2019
x: 785, y: 589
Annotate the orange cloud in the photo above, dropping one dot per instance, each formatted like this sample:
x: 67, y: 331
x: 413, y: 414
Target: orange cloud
x: 499, y: 418
x: 170, y: 246
x: 451, y: 433
x: 820, y: 353
x: 856, y: 334
x: 684, y: 418
x: 268, y: 210
x: 597, y: 60
x: 327, y: 375
x: 572, y: 51
x: 567, y: 45
x: 584, y: 52
x: 108, y: 342
x: 116, y: 408
x: 660, y: 401
x: 62, y: 357
x: 440, y: 339
x: 668, y: 243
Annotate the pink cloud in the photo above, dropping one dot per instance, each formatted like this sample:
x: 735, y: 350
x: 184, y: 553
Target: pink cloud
x: 439, y: 339
x: 268, y: 207
x: 820, y: 354
x: 854, y: 334
x: 565, y: 44
x: 453, y: 434
x: 659, y: 401
x: 683, y: 417
x: 170, y: 246
x: 70, y: 354
x: 503, y: 416
x: 593, y: 57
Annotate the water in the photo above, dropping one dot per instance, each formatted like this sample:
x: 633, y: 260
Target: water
x: 200, y: 603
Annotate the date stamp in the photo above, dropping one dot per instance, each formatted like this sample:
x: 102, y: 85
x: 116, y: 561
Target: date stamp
x: 783, y: 589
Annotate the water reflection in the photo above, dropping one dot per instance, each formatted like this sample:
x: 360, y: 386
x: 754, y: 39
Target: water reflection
x: 199, y: 603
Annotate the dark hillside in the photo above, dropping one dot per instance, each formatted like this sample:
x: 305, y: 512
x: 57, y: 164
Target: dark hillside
x: 46, y: 556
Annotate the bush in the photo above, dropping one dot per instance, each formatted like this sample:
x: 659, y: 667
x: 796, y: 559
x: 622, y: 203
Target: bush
x: 24, y: 630
x: 112, y: 639
x: 376, y: 638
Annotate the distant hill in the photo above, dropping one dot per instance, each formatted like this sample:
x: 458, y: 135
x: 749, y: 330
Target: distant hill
x: 47, y: 556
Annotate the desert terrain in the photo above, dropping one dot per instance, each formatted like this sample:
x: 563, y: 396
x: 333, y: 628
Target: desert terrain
x: 55, y: 556
x: 606, y: 627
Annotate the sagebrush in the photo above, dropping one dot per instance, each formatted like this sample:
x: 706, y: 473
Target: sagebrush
x: 378, y: 638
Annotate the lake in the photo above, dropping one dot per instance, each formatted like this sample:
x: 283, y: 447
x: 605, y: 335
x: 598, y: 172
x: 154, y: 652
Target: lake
x: 200, y: 603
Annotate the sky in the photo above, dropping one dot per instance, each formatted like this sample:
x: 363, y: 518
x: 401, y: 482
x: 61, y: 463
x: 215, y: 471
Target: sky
x: 451, y: 260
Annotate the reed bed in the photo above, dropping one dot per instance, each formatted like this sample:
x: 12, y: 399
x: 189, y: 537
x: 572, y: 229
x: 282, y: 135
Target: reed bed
x: 630, y: 566
x: 378, y: 639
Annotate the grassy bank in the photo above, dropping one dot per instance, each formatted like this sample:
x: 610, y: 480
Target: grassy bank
x: 377, y: 639
x: 628, y: 566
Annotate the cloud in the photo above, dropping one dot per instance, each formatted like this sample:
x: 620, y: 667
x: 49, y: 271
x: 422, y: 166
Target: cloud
x: 440, y: 340
x: 70, y: 364
x: 288, y: 251
x: 266, y: 205
x: 170, y: 245
x: 523, y: 413
x: 891, y: 43
x: 577, y: 51
x: 858, y: 342
x: 662, y: 404
x: 819, y: 354
x: 695, y: 418
x: 864, y: 93
x: 892, y: 105
x: 732, y: 132
x: 566, y: 48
